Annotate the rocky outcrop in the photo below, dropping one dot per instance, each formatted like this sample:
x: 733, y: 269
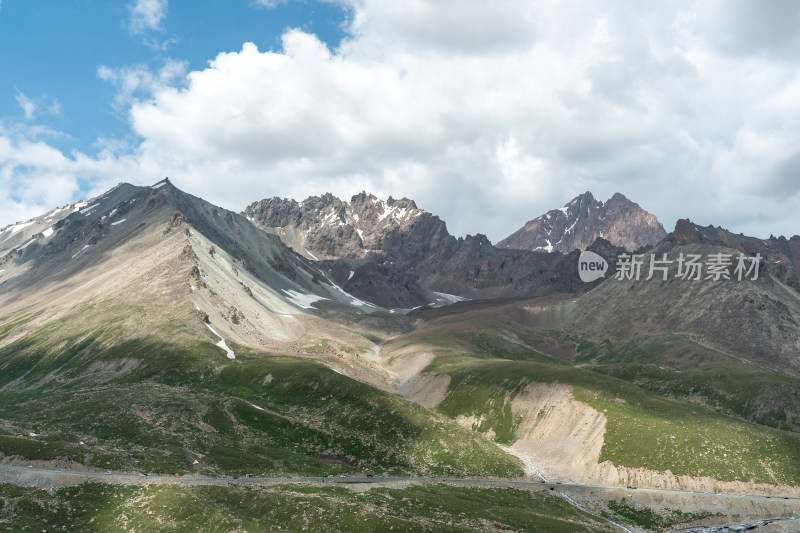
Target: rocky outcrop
x: 779, y: 256
x: 395, y: 253
x: 325, y: 227
x: 472, y: 267
x: 576, y: 225
x: 378, y: 283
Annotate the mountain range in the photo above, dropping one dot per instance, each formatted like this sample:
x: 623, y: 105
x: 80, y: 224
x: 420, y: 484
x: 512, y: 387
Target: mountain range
x: 395, y: 244
x: 148, y: 330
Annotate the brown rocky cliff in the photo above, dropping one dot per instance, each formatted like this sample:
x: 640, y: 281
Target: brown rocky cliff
x: 576, y: 225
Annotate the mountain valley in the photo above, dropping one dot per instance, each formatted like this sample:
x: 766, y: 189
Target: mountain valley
x: 147, y: 330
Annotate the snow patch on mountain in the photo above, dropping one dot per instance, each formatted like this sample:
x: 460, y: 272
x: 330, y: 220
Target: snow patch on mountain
x: 222, y: 343
x: 302, y: 299
x: 79, y: 251
x: 57, y: 211
x: 26, y: 244
x: 450, y: 298
x: 18, y: 227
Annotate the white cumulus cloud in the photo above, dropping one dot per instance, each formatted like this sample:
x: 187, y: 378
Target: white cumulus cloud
x: 488, y: 113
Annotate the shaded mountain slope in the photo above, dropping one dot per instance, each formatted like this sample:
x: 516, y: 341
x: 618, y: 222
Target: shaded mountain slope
x: 472, y: 267
x: 781, y: 255
x: 757, y: 319
x: 401, y: 256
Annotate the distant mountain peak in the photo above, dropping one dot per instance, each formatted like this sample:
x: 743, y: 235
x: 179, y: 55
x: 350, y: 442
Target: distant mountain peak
x: 325, y: 227
x: 618, y: 196
x: 582, y: 220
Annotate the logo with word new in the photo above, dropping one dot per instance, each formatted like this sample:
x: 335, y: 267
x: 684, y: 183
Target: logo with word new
x: 591, y: 266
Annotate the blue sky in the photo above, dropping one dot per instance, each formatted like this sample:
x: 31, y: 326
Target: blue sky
x: 50, y: 52
x: 487, y: 113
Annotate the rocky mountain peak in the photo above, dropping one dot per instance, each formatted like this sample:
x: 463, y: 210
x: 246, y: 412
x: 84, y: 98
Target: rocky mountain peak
x: 686, y: 233
x: 326, y: 227
x: 619, y: 197
x: 402, y: 203
x: 619, y: 203
x: 586, y: 199
x: 362, y: 198
x: 578, y: 223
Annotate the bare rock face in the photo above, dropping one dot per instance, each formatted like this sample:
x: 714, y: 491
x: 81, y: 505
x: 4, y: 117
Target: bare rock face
x: 472, y: 267
x: 372, y: 248
x: 378, y: 283
x: 576, y: 225
x: 325, y: 227
x: 405, y: 251
x: 780, y: 256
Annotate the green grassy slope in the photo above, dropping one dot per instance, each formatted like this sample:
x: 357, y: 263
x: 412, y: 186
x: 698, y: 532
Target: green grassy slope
x: 144, y: 404
x: 679, y: 367
x: 670, y: 405
x: 108, y: 508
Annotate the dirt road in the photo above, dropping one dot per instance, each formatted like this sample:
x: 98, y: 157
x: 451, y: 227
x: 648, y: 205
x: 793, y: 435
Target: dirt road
x: 734, y: 508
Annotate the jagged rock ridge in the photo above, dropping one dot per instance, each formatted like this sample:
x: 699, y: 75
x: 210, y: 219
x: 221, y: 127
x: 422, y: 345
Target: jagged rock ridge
x: 780, y: 256
x: 584, y: 219
x: 325, y: 227
x: 395, y: 244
